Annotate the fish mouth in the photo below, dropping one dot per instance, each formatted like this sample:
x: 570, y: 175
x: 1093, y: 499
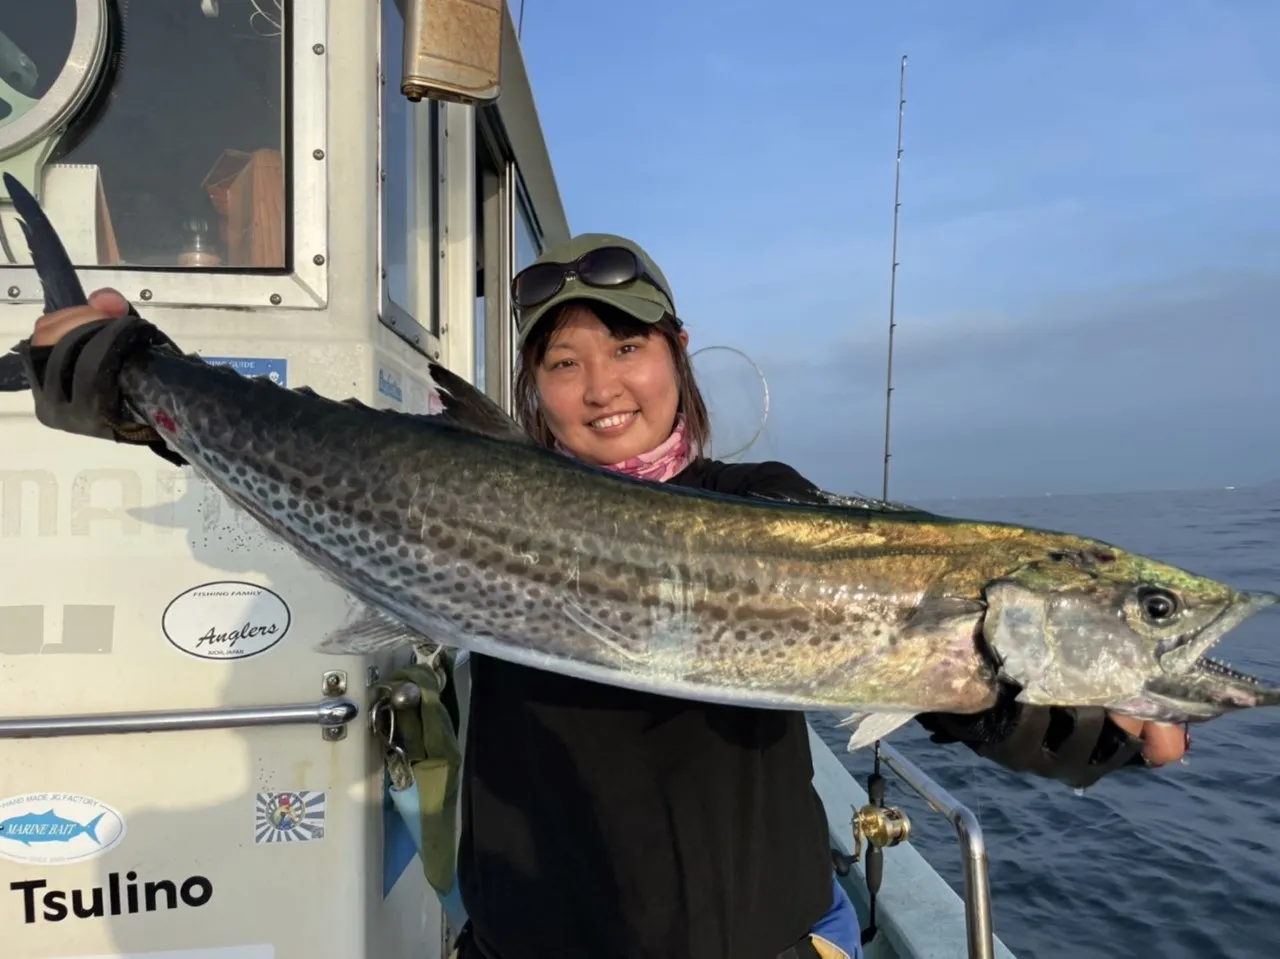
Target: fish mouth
x: 1211, y: 689
x: 1185, y: 654
x: 1194, y: 686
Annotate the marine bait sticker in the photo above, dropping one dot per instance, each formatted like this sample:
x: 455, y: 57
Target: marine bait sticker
x: 226, y: 620
x: 52, y: 829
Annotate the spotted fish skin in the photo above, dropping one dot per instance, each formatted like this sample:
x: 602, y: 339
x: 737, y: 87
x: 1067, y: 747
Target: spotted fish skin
x: 496, y: 545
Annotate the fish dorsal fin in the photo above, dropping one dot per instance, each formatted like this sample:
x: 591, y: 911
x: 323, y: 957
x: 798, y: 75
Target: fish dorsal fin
x: 455, y: 400
x: 855, y: 503
x: 452, y: 400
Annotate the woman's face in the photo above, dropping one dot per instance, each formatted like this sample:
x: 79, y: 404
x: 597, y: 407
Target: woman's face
x: 606, y: 399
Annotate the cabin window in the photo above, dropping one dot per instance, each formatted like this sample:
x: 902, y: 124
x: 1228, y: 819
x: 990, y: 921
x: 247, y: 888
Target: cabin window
x: 410, y: 261
x: 528, y: 248
x: 506, y: 243
x: 488, y: 374
x: 181, y: 161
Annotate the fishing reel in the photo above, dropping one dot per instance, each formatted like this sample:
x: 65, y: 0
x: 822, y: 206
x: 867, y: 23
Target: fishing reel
x: 881, y: 826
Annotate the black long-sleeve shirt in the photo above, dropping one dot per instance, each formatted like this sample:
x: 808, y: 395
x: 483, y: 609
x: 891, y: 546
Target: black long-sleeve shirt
x: 604, y: 823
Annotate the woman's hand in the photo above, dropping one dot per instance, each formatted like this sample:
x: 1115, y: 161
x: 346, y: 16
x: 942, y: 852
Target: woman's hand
x: 105, y: 304
x: 1074, y: 745
x: 1162, y: 743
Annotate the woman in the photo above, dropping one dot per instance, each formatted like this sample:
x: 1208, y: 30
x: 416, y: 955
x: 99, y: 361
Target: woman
x: 602, y: 822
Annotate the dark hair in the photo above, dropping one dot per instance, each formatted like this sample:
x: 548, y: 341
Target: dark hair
x: 621, y: 326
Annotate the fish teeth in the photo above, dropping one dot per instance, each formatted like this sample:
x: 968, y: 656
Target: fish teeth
x: 1220, y: 668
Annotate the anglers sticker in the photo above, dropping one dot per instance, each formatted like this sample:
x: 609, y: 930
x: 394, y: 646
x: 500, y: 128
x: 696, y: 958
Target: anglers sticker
x: 226, y: 620
x: 289, y: 817
x: 277, y: 371
x: 57, y: 828
x: 118, y: 896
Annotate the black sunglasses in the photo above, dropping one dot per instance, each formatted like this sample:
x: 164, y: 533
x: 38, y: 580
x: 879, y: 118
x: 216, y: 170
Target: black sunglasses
x: 606, y: 267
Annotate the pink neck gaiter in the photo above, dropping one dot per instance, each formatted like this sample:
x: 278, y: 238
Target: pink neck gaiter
x: 659, y: 464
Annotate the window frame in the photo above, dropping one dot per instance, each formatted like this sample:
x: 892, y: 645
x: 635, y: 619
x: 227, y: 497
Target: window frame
x: 304, y: 284
x: 420, y: 322
x: 503, y: 198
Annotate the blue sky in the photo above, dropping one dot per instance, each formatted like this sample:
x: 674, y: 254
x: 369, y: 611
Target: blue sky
x: 1090, y: 234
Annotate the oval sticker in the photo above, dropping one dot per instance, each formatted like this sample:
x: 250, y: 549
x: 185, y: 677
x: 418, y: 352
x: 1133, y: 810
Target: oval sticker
x: 228, y: 620
x: 55, y: 828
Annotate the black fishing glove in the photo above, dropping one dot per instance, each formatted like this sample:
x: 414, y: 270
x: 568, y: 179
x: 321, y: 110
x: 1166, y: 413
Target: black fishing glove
x: 1075, y: 745
x: 76, y: 382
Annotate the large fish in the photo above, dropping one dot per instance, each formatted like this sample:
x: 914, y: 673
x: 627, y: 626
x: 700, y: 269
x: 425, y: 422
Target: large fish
x: 454, y: 526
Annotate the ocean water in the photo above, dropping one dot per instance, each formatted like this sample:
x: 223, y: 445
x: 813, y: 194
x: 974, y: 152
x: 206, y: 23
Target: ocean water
x: 1179, y: 862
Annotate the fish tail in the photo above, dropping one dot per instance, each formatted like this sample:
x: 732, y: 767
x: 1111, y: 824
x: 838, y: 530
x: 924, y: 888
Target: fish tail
x: 13, y: 378
x: 53, y: 266
x: 91, y: 828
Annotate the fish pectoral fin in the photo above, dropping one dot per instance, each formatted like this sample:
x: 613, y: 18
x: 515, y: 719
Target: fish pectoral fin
x: 607, y: 638
x: 368, y: 630
x: 945, y: 614
x: 868, y: 727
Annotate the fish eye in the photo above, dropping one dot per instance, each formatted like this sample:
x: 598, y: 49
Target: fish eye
x: 1158, y: 605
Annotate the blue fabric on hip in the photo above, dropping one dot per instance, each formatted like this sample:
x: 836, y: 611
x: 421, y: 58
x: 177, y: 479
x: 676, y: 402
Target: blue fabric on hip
x: 839, y: 925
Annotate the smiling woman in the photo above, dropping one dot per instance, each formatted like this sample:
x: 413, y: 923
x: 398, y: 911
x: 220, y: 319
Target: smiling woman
x: 650, y: 815
x: 641, y: 815
x: 607, y: 377
x: 608, y: 387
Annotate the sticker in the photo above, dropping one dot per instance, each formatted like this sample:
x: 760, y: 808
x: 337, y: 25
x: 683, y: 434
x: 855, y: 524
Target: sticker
x: 226, y: 620
x: 56, y: 828
x: 265, y: 951
x: 121, y: 895
x: 276, y: 370
x: 424, y: 400
x: 389, y: 385
x: 289, y: 817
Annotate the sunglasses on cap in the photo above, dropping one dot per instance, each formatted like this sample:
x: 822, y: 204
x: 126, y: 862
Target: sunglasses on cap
x: 606, y: 267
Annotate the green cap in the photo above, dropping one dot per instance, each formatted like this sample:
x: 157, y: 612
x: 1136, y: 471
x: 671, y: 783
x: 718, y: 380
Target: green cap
x: 640, y: 299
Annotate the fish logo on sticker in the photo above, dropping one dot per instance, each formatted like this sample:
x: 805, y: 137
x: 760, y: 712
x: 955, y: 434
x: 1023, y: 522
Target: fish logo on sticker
x: 56, y: 828
x: 289, y: 817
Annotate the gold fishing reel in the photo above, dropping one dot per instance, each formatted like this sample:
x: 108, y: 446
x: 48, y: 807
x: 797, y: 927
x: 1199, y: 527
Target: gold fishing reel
x: 881, y: 826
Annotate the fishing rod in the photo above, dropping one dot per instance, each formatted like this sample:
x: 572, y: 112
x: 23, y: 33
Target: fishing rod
x: 893, y: 273
x: 884, y: 825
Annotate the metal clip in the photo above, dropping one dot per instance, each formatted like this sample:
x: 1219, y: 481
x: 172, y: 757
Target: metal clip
x: 432, y: 661
x: 382, y: 720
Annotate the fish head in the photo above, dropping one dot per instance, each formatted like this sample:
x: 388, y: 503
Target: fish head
x: 1088, y: 624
